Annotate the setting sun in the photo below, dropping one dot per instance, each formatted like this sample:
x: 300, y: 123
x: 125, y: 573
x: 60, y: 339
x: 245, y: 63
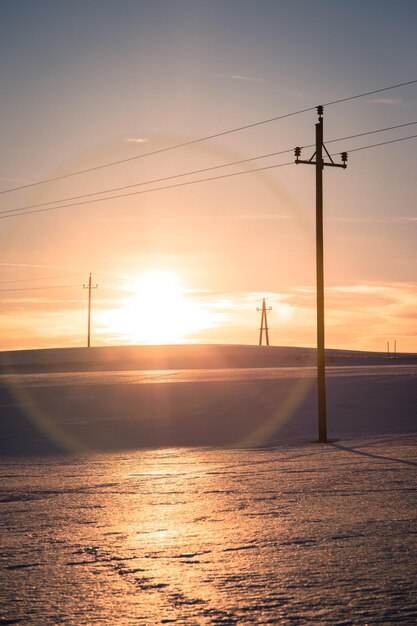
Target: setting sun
x: 158, y: 311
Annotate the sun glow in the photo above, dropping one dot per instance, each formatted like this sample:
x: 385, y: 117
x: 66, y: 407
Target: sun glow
x: 158, y: 312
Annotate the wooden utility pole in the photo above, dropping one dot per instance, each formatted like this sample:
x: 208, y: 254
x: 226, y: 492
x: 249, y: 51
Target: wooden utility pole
x: 264, y: 322
x: 90, y: 286
x: 319, y: 164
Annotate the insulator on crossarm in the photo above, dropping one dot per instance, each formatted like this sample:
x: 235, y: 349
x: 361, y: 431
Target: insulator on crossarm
x: 297, y: 152
x: 344, y: 156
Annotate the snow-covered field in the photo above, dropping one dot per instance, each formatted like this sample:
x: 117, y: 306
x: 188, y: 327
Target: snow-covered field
x: 199, y: 496
x: 116, y: 410
x: 302, y: 534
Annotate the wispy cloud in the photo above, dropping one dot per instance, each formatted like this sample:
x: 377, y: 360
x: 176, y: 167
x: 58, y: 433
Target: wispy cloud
x: 26, y: 265
x: 405, y: 219
x: 136, y: 140
x: 237, y: 77
x: 374, y: 310
x: 384, y: 101
x: 117, y: 219
x: 41, y: 301
x: 14, y: 180
x: 356, y: 289
x: 264, y: 216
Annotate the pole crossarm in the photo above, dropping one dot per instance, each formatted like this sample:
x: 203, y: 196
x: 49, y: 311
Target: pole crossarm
x: 343, y: 155
x: 318, y: 161
x: 324, y: 164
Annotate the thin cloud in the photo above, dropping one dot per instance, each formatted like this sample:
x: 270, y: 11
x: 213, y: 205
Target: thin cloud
x: 268, y: 295
x: 254, y: 79
x: 366, y: 289
x: 384, y: 101
x: 237, y: 299
x: 264, y: 216
x: 122, y: 220
x: 383, y: 299
x: 362, y: 315
x: 304, y: 289
x: 14, y: 180
x: 26, y: 265
x: 136, y: 140
x: 41, y: 301
x: 377, y: 220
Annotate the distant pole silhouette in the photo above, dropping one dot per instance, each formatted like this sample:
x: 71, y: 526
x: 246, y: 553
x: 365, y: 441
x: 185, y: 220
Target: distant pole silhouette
x: 319, y: 164
x: 90, y: 286
x: 264, y: 322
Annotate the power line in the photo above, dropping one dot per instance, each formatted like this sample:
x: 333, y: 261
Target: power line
x: 368, y: 93
x: 199, y: 171
x: 109, y: 288
x: 149, y: 182
x: 369, y: 132
x: 212, y: 136
x: 186, y: 183
x: 384, y: 143
x: 135, y: 193
x: 36, y: 288
x: 25, y: 280
x: 114, y: 276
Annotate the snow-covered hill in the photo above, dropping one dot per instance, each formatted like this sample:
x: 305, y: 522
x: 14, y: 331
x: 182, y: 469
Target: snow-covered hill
x: 181, y: 357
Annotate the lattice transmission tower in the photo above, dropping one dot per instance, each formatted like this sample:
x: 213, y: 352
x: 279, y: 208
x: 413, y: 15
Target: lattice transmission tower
x: 264, y: 322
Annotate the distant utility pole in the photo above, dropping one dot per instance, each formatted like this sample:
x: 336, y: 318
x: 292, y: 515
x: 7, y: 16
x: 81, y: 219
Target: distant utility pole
x: 394, y: 354
x: 264, y: 322
x: 90, y: 286
x: 320, y: 164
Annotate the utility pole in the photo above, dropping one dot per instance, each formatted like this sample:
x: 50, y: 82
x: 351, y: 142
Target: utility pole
x: 319, y: 164
x: 90, y: 286
x: 264, y: 322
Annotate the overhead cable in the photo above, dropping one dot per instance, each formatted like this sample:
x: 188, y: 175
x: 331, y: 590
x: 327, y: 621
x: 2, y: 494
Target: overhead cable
x: 186, y: 183
x: 39, y: 288
x: 207, y: 137
x: 199, y: 171
x: 25, y: 280
x: 383, y: 143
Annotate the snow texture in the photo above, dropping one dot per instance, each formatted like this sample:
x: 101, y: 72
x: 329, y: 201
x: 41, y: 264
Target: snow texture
x: 200, y: 497
x: 320, y: 534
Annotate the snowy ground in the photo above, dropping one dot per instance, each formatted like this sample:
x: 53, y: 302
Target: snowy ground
x: 102, y: 411
x: 290, y: 535
x: 199, y: 496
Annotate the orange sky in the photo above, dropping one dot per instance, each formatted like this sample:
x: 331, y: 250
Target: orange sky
x: 79, y: 93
